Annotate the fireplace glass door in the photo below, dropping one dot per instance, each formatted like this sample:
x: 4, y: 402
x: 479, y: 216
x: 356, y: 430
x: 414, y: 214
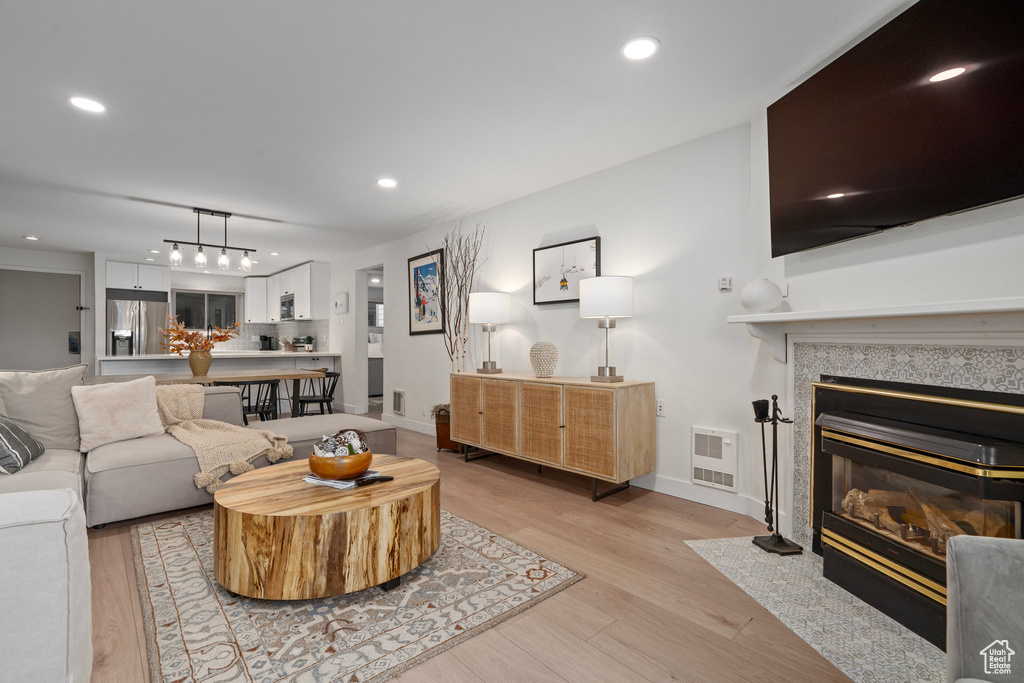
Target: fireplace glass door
x: 913, y: 512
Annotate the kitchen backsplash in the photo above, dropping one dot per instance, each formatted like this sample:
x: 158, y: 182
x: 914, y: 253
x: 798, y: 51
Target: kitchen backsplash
x: 318, y: 329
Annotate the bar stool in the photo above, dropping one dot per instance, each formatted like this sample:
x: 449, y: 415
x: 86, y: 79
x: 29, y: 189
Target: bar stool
x: 258, y: 398
x: 321, y: 393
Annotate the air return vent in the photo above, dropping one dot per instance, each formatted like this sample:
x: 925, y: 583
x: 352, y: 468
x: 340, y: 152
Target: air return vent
x: 398, y: 402
x: 713, y: 457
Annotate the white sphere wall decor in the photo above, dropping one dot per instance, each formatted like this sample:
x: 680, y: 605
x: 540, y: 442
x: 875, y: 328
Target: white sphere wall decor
x: 761, y: 296
x: 543, y: 357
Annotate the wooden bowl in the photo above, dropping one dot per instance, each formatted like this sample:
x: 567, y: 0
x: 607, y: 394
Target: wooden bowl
x: 340, y: 466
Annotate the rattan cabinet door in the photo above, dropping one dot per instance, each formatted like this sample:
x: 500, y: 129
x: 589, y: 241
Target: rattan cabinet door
x: 540, y: 422
x: 501, y: 415
x: 590, y: 430
x: 465, y: 410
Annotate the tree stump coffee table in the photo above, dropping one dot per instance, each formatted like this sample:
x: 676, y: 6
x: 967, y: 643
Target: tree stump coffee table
x: 279, y: 538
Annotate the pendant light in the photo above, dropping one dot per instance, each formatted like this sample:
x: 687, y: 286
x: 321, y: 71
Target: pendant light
x: 223, y: 262
x: 223, y: 258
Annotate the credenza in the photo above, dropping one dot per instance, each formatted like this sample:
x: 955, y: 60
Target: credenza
x: 602, y: 430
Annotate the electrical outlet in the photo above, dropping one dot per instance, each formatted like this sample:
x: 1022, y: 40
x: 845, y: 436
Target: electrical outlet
x: 660, y: 408
x: 725, y: 284
x: 255, y: 337
x: 785, y: 290
x: 423, y: 409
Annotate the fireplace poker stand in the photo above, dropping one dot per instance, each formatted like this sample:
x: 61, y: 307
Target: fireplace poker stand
x: 774, y: 542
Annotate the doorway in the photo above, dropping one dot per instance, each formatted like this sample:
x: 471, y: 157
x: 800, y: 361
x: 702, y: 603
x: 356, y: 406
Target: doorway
x: 375, y: 341
x: 40, y: 319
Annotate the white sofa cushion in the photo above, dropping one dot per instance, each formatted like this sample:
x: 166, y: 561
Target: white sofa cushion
x: 118, y: 411
x: 41, y: 402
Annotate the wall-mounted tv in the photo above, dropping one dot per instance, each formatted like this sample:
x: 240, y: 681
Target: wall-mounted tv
x: 923, y: 118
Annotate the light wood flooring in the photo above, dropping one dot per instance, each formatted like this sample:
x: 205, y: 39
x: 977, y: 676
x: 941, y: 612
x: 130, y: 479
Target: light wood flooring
x: 650, y: 608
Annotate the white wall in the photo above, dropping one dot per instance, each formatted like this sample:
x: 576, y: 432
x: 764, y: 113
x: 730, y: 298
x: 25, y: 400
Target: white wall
x: 63, y: 262
x: 676, y: 220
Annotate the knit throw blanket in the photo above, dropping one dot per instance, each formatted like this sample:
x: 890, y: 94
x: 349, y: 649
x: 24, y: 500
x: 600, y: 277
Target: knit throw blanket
x: 219, y: 447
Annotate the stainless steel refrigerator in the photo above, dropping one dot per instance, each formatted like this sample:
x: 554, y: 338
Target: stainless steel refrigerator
x: 134, y: 320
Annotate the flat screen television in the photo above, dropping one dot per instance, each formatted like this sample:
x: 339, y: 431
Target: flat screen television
x: 887, y: 135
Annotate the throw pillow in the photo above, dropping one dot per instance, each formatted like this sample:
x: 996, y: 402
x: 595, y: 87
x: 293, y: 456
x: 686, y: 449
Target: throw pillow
x: 116, y: 412
x: 41, y: 403
x: 17, y: 447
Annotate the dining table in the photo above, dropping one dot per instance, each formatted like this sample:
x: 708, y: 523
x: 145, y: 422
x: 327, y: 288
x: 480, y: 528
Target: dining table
x: 296, y: 376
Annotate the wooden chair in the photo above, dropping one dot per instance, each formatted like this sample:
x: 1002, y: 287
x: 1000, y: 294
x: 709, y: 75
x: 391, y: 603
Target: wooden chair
x: 258, y: 398
x: 321, y: 392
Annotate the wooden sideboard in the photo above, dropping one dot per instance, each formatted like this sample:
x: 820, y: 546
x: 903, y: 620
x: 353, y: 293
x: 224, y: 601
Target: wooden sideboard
x: 602, y: 430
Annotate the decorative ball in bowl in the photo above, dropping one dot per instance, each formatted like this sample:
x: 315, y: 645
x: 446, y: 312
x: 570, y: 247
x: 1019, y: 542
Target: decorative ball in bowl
x: 344, y: 455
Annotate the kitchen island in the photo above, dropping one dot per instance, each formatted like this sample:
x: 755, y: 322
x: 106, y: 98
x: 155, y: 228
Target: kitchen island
x: 225, y: 361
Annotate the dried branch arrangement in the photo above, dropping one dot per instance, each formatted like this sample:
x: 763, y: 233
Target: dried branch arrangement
x: 178, y: 339
x: 461, y: 263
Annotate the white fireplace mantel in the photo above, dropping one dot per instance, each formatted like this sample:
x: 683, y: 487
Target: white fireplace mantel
x: 771, y: 328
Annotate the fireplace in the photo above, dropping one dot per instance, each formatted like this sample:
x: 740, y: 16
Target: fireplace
x: 896, y: 470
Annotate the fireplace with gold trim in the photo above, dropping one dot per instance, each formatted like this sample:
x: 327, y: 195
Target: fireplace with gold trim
x: 896, y: 470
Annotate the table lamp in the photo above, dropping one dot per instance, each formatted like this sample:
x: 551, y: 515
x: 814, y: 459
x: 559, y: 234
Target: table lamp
x: 489, y: 309
x: 607, y: 298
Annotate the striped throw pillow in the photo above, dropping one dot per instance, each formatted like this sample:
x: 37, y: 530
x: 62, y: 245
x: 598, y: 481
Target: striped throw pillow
x: 17, y: 447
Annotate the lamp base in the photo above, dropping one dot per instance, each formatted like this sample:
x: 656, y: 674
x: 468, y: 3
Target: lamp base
x: 490, y: 368
x: 606, y: 374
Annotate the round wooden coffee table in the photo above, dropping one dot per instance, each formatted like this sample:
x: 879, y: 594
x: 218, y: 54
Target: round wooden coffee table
x: 279, y: 538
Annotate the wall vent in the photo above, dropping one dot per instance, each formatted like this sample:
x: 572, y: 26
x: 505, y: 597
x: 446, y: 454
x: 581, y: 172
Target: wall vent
x: 713, y: 458
x: 398, y: 402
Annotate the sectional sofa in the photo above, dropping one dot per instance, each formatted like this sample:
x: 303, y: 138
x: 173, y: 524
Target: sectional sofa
x: 45, y: 590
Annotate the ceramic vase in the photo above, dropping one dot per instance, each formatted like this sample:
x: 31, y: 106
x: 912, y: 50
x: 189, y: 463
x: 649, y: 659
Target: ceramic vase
x: 543, y: 356
x: 761, y: 296
x: 199, y: 362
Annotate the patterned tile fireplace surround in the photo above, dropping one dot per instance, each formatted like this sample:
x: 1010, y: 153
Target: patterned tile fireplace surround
x: 988, y: 367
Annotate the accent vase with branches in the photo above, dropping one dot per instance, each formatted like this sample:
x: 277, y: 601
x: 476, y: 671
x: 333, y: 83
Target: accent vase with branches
x: 461, y: 263
x: 197, y: 343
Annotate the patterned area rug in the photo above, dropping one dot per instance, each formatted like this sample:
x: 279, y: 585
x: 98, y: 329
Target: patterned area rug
x: 198, y: 631
x: 863, y: 643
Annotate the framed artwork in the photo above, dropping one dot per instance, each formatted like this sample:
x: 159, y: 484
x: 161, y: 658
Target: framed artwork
x: 426, y: 293
x: 558, y: 269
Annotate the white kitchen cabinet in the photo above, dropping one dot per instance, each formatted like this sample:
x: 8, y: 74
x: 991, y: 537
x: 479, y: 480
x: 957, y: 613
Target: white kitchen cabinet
x: 274, y: 298
x: 138, y: 276
x: 309, y: 283
x: 256, y: 300
x: 300, y: 279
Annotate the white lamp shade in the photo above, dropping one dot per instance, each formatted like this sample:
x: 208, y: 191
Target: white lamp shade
x: 490, y: 307
x: 606, y: 297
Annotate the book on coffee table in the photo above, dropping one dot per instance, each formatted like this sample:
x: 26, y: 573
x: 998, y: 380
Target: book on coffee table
x: 341, y: 484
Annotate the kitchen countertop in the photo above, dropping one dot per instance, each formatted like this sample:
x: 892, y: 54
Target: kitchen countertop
x: 224, y: 354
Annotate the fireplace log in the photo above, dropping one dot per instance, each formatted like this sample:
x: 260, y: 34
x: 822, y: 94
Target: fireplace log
x: 859, y: 504
x: 941, y: 527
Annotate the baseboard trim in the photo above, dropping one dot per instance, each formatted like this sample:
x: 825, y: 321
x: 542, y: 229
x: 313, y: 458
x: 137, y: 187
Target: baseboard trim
x: 733, y: 502
x: 406, y: 423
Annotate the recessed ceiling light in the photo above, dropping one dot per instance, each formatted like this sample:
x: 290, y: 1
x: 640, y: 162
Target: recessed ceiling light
x: 255, y: 262
x: 207, y: 272
x: 154, y: 251
x: 640, y: 48
x: 836, y: 195
x: 32, y: 238
x: 387, y: 182
x: 148, y: 258
x: 88, y: 105
x: 274, y: 253
x: 947, y: 74
x: 375, y: 280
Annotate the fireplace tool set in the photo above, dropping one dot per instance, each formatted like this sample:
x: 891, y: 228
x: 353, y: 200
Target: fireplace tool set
x: 774, y: 542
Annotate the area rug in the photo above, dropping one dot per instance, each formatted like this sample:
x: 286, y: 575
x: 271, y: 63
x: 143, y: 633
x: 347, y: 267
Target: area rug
x: 198, y: 631
x: 863, y: 643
